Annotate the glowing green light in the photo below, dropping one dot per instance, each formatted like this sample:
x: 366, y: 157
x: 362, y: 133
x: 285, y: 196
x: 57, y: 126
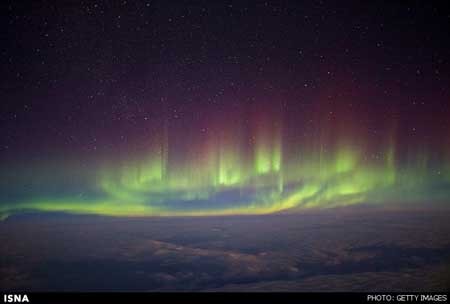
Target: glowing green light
x: 224, y: 180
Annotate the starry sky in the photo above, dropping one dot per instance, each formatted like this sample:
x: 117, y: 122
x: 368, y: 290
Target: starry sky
x: 222, y: 107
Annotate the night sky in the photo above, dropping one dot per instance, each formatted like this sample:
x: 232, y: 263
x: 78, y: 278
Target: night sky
x: 209, y: 108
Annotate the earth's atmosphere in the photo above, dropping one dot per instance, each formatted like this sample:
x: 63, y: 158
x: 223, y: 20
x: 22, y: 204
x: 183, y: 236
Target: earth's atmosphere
x: 339, y: 250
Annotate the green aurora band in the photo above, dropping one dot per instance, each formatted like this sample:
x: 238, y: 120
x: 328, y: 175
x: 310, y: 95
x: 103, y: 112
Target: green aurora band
x: 146, y: 188
x: 225, y: 177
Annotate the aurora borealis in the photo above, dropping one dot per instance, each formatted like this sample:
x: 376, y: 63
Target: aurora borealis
x: 227, y: 118
x: 252, y: 168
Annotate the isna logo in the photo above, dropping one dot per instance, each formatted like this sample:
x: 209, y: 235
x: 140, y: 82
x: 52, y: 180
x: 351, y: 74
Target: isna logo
x: 15, y: 298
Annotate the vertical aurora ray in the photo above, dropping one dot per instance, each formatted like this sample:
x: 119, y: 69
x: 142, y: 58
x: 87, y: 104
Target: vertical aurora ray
x: 268, y: 146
